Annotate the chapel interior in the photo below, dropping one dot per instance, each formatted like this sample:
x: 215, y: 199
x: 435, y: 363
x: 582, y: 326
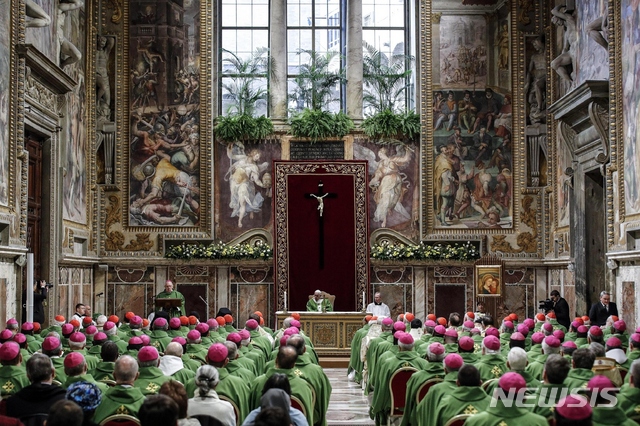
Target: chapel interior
x: 120, y: 168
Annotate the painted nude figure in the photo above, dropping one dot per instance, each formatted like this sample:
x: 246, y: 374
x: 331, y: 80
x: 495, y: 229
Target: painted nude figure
x: 69, y: 54
x: 566, y: 58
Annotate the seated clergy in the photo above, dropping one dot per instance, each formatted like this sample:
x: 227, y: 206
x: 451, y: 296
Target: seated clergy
x: 319, y: 303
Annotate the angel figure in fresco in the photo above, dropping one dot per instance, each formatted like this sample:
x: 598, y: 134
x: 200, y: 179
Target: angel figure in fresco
x: 243, y: 176
x: 388, y: 183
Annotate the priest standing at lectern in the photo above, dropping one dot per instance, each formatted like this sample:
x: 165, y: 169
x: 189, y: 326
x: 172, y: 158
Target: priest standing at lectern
x: 169, y: 293
x: 319, y: 303
x: 378, y: 308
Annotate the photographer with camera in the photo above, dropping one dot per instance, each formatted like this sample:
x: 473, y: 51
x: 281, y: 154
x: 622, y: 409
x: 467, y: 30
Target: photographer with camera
x: 559, y: 306
x: 40, y: 288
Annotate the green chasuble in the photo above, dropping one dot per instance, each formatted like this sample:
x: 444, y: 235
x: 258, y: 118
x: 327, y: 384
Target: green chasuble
x: 610, y: 416
x: 546, y: 397
x: 247, y: 363
x: 501, y: 415
x: 150, y: 380
x: 381, y: 404
x: 629, y: 401
x: 12, y: 379
x: 355, y: 363
x: 536, y: 367
x: 461, y: 400
x: 299, y: 388
x: 578, y: 378
x: 532, y: 382
x: 189, y: 363
x: 323, y: 306
x: 119, y: 400
x: 159, y: 339
x: 90, y: 360
x: 491, y: 367
x: 58, y: 364
x: 385, y: 339
x: 103, y: 371
x: 380, y: 360
x: 183, y: 376
x: 234, y: 388
x: 85, y: 378
x: 315, y: 376
x: 431, y: 399
x: 631, y: 356
x: 236, y: 369
x: 174, y: 312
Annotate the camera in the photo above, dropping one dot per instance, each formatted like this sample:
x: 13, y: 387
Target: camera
x: 49, y: 285
x: 545, y: 305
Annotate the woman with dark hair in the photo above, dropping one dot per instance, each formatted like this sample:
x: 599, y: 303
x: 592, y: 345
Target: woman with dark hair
x: 277, y: 393
x: 176, y: 391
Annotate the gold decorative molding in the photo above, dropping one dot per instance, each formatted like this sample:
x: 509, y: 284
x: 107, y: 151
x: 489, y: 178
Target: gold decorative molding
x: 525, y: 8
x: 116, y: 17
x: 435, y: 17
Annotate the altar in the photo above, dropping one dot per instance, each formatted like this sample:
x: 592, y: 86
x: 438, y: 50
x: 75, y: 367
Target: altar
x: 330, y: 332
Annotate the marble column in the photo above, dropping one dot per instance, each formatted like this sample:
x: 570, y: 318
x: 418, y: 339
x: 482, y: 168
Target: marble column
x: 278, y: 43
x: 354, y: 60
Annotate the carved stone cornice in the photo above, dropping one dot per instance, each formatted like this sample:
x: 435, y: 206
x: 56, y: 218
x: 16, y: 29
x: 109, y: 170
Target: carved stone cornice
x: 48, y: 73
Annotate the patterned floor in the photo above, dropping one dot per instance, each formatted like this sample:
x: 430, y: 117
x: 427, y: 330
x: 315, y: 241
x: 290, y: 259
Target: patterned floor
x: 348, y: 405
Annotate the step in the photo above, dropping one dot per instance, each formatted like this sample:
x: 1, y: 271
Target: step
x: 333, y: 362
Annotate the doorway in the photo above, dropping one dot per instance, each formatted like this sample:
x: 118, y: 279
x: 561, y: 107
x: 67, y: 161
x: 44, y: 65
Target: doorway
x: 595, y: 234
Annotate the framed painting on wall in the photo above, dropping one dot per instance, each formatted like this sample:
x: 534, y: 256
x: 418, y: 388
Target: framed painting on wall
x: 489, y: 281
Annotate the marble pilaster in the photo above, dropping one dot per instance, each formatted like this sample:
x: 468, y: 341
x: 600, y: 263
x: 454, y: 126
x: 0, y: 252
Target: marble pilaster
x: 354, y: 60
x: 278, y: 46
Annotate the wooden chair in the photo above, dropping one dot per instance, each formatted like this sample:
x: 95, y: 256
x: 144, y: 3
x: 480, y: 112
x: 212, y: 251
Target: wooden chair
x: 623, y: 373
x: 458, y: 420
x: 296, y: 403
x: 120, y: 420
x: 108, y: 382
x: 56, y: 382
x: 236, y: 411
x: 398, y: 391
x: 485, y: 385
x: 424, y: 388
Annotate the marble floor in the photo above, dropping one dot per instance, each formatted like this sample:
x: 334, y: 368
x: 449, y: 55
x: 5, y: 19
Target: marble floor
x: 348, y: 404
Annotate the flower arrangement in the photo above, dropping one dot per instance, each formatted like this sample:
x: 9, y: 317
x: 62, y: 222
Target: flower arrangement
x: 424, y: 251
x: 220, y: 250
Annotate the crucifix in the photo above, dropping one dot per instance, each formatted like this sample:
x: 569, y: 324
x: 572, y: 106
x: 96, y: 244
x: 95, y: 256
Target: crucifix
x: 320, y: 195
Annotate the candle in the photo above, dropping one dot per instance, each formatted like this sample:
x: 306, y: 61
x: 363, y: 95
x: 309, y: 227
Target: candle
x: 363, y: 302
x: 285, y: 301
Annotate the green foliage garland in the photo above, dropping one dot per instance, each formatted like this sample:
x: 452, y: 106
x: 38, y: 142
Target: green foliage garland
x: 220, y: 250
x: 231, y: 128
x: 423, y: 251
x: 389, y: 127
x: 317, y: 124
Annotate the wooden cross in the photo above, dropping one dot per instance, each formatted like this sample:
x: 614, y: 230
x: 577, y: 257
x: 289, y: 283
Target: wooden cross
x: 320, y: 196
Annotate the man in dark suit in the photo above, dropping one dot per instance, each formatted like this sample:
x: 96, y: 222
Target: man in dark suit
x: 602, y: 310
x: 561, y: 309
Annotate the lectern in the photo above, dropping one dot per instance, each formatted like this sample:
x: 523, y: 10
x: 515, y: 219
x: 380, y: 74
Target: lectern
x: 169, y: 305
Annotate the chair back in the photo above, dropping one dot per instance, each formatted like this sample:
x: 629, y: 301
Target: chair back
x: 424, y: 388
x: 296, y: 403
x: 398, y: 389
x: 330, y: 297
x: 207, y: 420
x: 236, y: 411
x: 458, y: 420
x: 120, y: 420
x: 487, y: 384
x: 108, y: 382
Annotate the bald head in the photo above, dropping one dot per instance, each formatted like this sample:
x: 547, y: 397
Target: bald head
x: 287, y: 357
x: 298, y: 343
x: 174, y: 348
x: 126, y: 370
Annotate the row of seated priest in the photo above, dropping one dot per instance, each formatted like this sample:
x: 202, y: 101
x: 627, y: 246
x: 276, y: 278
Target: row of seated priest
x: 465, y: 370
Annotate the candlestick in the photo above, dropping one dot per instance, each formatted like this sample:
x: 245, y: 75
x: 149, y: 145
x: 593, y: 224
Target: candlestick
x: 363, y: 302
x: 285, y: 301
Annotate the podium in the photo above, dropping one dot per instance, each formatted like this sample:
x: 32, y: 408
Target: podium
x: 169, y: 305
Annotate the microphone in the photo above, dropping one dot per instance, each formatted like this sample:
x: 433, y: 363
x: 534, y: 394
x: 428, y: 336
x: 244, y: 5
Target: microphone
x: 100, y: 294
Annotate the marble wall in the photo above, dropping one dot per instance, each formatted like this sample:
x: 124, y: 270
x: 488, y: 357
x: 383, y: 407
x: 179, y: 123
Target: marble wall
x: 75, y: 285
x: 8, y: 286
x: 395, y: 286
x: 627, y: 279
x: 251, y: 290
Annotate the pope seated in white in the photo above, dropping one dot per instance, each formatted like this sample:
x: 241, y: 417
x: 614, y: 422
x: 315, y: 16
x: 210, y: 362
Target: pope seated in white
x: 378, y: 308
x: 318, y: 303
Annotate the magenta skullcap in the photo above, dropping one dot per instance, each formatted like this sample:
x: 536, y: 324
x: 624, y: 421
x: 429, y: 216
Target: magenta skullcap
x: 523, y: 329
x: 91, y: 330
x: 537, y: 337
x: 429, y: 323
x: 9, y: 351
x: 193, y: 335
x: 614, y: 342
x: 475, y: 331
x: 135, y: 340
x: 244, y: 334
x: 491, y: 343
x: 73, y: 359
x: 234, y: 337
x: 511, y: 380
x: 294, y: 323
x: 517, y: 336
x: 77, y: 338
x: 468, y: 324
x: 12, y: 321
x: 638, y: 330
x: 283, y: 340
x: 552, y: 341
x: 67, y: 329
x: 6, y: 334
x: 251, y: 324
x: 27, y: 326
x: 583, y: 329
x: 635, y: 337
x: 466, y: 343
x: 110, y: 324
x: 569, y: 345
x: 574, y: 407
x: 217, y: 352
x: 387, y: 321
x: 595, y: 331
x: 436, y: 348
x: 453, y: 361
x: 291, y: 331
x: 397, y: 334
x: 99, y: 337
x: 136, y: 320
x: 19, y: 338
x: 620, y: 325
x: 148, y: 353
x: 559, y: 334
x: 212, y: 323
x: 575, y: 324
x: 406, y: 338
x: 146, y: 340
x: 451, y: 333
x: 529, y: 322
x: 599, y: 382
x: 547, y: 327
x: 179, y: 339
x: 160, y: 322
x: 507, y: 324
x: 399, y: 326
x: 492, y: 331
x: 174, y: 323
x: 440, y: 329
x: 202, y: 327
